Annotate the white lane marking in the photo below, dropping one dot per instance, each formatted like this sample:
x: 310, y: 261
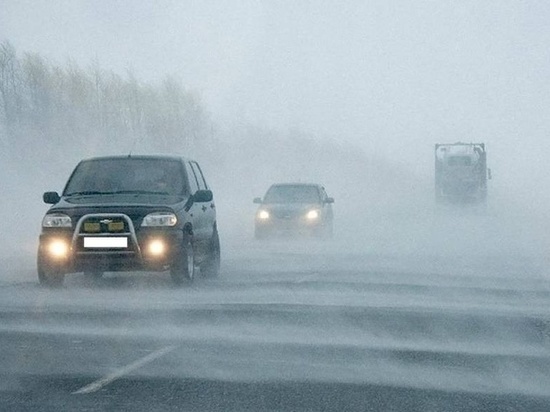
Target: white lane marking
x: 100, y: 383
x: 307, y: 278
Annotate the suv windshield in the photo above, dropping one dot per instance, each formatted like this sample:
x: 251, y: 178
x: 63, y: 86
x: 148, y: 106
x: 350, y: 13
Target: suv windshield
x: 127, y: 175
x: 292, y: 194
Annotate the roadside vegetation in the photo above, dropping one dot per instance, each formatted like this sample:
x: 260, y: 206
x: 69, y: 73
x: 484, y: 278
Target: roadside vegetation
x: 49, y: 108
x: 52, y: 116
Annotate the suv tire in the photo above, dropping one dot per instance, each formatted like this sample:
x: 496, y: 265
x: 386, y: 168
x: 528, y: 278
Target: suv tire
x: 211, y: 266
x: 183, y: 269
x: 50, y: 277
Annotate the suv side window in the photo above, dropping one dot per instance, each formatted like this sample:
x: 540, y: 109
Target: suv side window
x: 200, y: 177
x: 193, y: 181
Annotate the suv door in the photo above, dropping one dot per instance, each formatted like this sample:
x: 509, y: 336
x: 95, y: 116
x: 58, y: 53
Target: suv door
x: 204, y: 215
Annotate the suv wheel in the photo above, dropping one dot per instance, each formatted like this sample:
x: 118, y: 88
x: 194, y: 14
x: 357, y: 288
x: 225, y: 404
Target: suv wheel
x: 50, y: 277
x: 183, y: 269
x: 211, y: 266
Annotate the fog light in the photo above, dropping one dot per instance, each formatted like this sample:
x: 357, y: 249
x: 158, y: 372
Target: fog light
x: 58, y: 249
x: 263, y: 215
x: 157, y: 247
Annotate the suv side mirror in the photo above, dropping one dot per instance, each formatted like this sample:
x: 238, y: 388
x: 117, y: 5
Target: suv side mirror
x: 51, y: 198
x: 329, y: 200
x: 257, y: 200
x: 202, y: 196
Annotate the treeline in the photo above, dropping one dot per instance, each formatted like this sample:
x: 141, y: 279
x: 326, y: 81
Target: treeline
x: 52, y: 116
x: 47, y: 109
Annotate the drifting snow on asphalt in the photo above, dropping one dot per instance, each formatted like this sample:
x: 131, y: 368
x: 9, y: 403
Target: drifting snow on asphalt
x: 445, y: 313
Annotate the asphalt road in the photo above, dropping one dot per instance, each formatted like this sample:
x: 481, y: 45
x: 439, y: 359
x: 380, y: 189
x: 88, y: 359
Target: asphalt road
x: 290, y: 326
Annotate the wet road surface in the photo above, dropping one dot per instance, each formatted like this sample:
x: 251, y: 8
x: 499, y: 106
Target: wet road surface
x: 303, y: 326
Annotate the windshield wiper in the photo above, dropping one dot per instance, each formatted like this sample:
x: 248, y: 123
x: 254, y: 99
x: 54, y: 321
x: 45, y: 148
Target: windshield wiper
x: 87, y: 192
x: 117, y: 192
x: 140, y: 192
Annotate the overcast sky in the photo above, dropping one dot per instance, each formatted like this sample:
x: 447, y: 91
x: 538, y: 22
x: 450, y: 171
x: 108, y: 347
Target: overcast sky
x: 392, y: 76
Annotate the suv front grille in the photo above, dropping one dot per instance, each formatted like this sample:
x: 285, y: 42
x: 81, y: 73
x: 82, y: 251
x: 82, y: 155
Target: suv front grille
x: 104, y: 225
x: 105, y: 233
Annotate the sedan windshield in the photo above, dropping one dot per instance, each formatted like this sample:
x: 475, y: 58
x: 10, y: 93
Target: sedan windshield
x: 131, y: 175
x: 292, y: 194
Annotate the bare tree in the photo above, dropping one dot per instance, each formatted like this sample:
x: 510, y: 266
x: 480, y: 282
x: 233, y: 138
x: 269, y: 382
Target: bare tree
x: 10, y: 98
x: 94, y: 110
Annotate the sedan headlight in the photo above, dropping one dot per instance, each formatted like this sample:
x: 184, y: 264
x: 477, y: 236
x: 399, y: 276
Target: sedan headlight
x: 263, y: 215
x: 56, y: 220
x: 160, y: 219
x: 312, y: 214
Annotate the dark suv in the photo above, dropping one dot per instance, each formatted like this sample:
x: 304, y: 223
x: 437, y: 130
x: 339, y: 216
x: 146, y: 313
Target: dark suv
x: 130, y: 213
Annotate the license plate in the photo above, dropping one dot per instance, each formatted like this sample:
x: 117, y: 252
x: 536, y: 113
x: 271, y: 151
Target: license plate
x: 105, y: 242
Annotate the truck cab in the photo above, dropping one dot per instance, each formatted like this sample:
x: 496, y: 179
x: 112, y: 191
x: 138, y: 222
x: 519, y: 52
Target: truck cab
x: 461, y: 172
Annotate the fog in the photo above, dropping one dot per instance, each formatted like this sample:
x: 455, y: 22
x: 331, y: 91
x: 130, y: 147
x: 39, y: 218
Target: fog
x: 350, y: 94
x: 388, y: 78
x: 392, y: 77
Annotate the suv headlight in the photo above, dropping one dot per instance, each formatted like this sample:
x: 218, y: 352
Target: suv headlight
x: 56, y: 220
x: 160, y: 219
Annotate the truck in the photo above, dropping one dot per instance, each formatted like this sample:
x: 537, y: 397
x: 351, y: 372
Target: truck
x: 461, y: 172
